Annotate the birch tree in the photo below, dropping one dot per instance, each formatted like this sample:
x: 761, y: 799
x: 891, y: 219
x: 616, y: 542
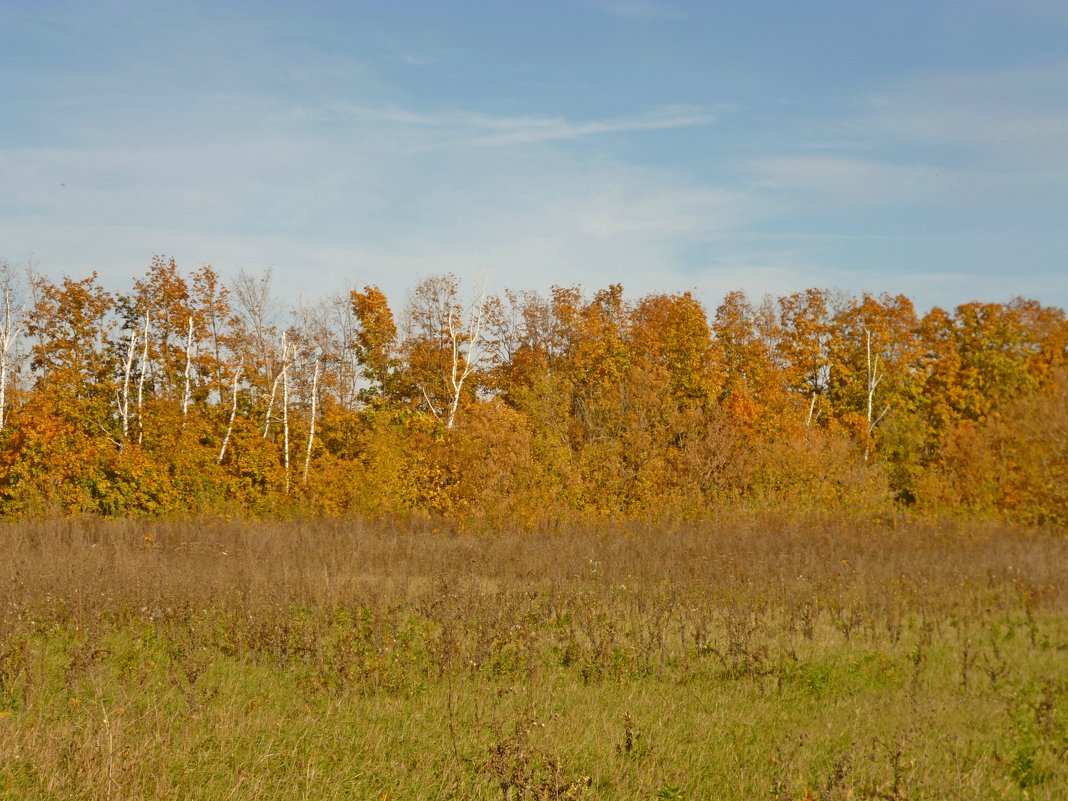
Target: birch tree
x: 257, y: 314
x: 283, y: 356
x: 339, y: 320
x: 141, y: 383
x: 124, y: 398
x: 163, y: 296
x: 285, y: 406
x: 10, y: 322
x: 187, y: 389
x: 443, y: 344
x: 876, y: 353
x: 233, y: 417
x: 311, y: 419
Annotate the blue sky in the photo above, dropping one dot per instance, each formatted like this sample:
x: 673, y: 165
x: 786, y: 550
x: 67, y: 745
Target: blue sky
x: 916, y: 147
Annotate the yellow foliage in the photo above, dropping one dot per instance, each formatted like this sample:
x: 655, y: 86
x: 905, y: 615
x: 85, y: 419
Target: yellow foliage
x: 526, y: 411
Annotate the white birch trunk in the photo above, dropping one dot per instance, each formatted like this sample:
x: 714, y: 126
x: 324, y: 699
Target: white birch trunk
x: 186, y: 393
x: 230, y: 425
x: 141, y: 387
x: 874, y: 379
x: 127, y: 369
x: 3, y: 387
x: 458, y: 376
x: 6, y: 338
x: 270, y: 404
x: 311, y: 423
x: 274, y: 391
x: 285, y: 409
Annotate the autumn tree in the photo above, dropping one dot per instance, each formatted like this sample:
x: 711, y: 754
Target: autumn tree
x: 212, y: 313
x: 186, y: 392
x: 875, y: 352
x: 69, y: 325
x: 256, y: 332
x: 375, y: 342
x: 746, y: 337
x: 162, y: 298
x: 804, y: 336
x: 519, y: 341
x: 526, y: 346
x: 443, y: 346
x: 673, y: 332
x: 984, y: 354
x: 337, y: 316
x: 68, y: 426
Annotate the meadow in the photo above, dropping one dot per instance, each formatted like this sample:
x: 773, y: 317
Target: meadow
x: 756, y: 657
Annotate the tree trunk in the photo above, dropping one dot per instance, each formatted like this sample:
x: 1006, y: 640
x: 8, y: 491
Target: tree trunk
x: 141, y: 387
x: 124, y: 409
x: 311, y: 422
x: 274, y: 391
x: 186, y: 393
x: 6, y: 338
x: 458, y: 375
x: 285, y: 408
x: 230, y: 425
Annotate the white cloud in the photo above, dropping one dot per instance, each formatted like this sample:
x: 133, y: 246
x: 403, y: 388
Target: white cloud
x: 1020, y: 113
x: 956, y: 144
x: 362, y: 208
x: 359, y: 193
x: 472, y: 128
x: 850, y: 180
x: 517, y: 130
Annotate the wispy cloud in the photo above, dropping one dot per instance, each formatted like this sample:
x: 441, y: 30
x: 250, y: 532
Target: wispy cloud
x: 475, y: 128
x: 378, y: 171
x: 518, y: 130
x: 949, y: 139
x: 1020, y: 112
x: 377, y: 202
x: 850, y: 180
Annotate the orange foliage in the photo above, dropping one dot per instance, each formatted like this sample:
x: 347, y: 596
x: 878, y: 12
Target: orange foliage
x: 576, y: 406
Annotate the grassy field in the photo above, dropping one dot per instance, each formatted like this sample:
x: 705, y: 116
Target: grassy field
x: 753, y: 659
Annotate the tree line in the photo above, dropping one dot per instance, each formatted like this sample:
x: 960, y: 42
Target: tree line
x: 186, y: 393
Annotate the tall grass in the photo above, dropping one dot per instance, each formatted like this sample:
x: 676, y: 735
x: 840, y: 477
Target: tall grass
x: 758, y: 658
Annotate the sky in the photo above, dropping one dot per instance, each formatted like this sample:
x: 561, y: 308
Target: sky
x: 913, y: 146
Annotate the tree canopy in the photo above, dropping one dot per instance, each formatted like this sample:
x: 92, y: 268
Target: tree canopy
x: 187, y: 393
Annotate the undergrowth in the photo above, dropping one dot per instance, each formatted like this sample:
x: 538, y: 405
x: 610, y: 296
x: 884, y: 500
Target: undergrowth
x: 776, y: 659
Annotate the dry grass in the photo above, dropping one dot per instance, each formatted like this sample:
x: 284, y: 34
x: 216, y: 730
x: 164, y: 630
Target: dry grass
x: 758, y: 658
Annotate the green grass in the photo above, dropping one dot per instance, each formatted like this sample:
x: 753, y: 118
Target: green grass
x: 504, y: 676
